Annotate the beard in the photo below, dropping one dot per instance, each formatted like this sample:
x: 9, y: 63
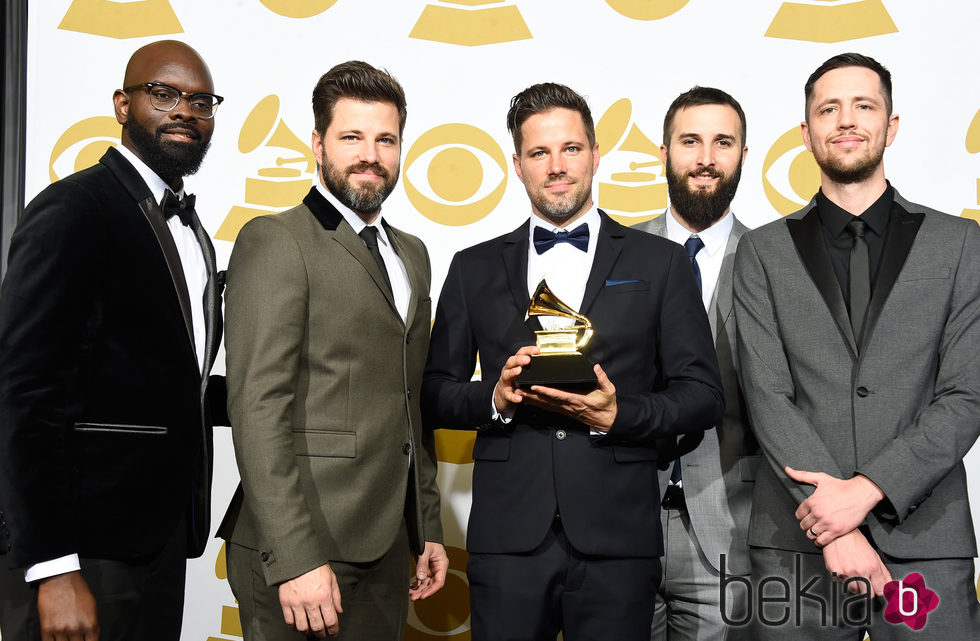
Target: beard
x: 858, y: 171
x: 169, y: 160
x: 364, y: 200
x: 701, y: 208
x: 564, y: 206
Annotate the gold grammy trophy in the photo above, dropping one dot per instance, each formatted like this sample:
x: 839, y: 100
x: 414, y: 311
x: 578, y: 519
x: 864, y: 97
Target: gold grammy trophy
x: 560, y: 363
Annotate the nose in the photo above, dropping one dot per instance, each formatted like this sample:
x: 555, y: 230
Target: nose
x: 368, y: 152
x: 183, y: 109
x: 845, y: 119
x: 556, y: 166
x: 706, y: 155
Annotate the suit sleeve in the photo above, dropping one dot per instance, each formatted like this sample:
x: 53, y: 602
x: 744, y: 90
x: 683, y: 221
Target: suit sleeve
x: 690, y: 396
x: 427, y: 460
x: 266, y: 301
x: 944, y: 431
x: 785, y: 433
x: 45, y: 304
x: 449, y: 398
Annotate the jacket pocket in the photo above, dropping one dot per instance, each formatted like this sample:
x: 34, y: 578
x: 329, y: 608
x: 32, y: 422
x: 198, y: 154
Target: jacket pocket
x: 119, y: 428
x: 314, y: 443
x: 628, y: 285
x: 939, y: 273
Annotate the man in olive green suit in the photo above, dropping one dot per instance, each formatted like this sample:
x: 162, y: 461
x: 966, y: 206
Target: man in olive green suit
x: 328, y: 328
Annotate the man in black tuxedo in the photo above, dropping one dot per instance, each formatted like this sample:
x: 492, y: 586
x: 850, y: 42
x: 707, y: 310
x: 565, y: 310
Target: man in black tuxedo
x: 564, y: 532
x: 109, y: 324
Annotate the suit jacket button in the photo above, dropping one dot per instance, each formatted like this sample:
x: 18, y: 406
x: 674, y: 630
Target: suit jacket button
x: 560, y: 435
x: 407, y: 448
x: 264, y: 556
x: 408, y: 393
x: 862, y: 391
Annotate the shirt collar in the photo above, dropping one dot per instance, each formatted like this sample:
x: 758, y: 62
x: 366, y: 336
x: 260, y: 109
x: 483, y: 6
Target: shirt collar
x: 156, y: 184
x: 835, y: 218
x: 714, y: 238
x: 591, y: 218
x: 356, y: 222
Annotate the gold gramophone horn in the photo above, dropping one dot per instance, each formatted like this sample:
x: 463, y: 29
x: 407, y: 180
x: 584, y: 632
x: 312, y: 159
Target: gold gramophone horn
x: 545, y: 303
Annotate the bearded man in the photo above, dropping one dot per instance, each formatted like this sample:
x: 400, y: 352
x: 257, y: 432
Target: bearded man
x: 109, y: 324
x: 328, y: 329
x: 705, y: 496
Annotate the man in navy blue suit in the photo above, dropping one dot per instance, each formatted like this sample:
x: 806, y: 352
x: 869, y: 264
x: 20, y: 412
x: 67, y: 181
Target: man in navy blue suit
x: 564, y: 532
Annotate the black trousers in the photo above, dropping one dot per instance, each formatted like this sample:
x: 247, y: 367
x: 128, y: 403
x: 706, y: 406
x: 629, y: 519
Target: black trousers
x: 136, y: 599
x: 556, y: 588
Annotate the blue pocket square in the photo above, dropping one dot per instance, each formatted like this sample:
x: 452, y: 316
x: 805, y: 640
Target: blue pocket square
x: 613, y: 283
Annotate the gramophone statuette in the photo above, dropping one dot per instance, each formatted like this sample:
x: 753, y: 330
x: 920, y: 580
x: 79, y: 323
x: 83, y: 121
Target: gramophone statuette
x: 560, y: 363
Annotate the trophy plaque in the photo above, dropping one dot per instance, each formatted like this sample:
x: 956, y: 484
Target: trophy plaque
x: 560, y: 363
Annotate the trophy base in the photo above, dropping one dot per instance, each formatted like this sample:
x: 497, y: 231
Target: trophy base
x: 564, y: 371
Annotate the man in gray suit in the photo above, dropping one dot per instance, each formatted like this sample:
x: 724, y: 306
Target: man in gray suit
x: 328, y: 330
x: 707, y: 491
x: 859, y: 344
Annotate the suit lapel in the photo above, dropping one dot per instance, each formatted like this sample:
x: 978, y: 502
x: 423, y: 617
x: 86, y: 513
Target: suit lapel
x: 722, y: 303
x: 410, y: 268
x: 134, y: 184
x: 212, y: 311
x: 807, y: 236
x: 514, y: 256
x: 902, y: 229
x: 607, y: 251
x: 332, y: 220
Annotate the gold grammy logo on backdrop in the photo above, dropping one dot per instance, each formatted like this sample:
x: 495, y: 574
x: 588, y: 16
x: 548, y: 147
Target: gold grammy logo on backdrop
x: 231, y: 622
x: 636, y: 179
x: 647, y: 9
x: 470, y: 23
x: 796, y: 173
x: 298, y: 8
x: 133, y: 19
x: 973, y: 146
x: 444, y: 616
x: 278, y: 187
x: 832, y: 21
x: 88, y: 139
x: 455, y: 159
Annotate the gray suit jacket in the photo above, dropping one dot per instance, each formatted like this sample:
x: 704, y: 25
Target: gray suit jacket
x: 902, y: 408
x: 719, y: 474
x: 323, y: 394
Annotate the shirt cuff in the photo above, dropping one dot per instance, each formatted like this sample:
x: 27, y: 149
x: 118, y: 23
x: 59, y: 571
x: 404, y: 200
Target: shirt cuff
x: 504, y: 417
x: 54, y: 567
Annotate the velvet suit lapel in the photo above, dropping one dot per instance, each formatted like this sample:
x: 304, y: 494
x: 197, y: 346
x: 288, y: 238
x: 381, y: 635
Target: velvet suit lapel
x: 808, y: 238
x: 130, y: 179
x: 902, y: 229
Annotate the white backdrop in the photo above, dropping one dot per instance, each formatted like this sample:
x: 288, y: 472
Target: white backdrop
x: 460, y: 62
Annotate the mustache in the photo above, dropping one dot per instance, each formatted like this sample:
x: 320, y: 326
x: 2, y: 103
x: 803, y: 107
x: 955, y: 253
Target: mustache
x: 711, y: 172
x: 562, y: 178
x: 180, y: 127
x: 374, y: 167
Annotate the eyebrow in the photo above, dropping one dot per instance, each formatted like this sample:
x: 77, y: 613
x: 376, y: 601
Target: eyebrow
x: 698, y: 136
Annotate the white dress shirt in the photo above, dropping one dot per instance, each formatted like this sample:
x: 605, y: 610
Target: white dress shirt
x: 196, y: 277
x: 715, y: 239
x: 401, y: 288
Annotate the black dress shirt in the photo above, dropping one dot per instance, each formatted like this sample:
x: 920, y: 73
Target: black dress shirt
x: 834, y: 220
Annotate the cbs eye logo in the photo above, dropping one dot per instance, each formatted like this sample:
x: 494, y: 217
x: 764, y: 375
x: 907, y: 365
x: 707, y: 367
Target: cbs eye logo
x: 647, y: 9
x: 82, y: 145
x: 455, y: 174
x: 298, y: 8
x: 790, y: 175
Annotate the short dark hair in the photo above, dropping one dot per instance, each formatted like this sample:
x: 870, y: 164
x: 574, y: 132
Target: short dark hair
x: 358, y: 81
x: 541, y: 98
x: 849, y: 60
x: 695, y: 97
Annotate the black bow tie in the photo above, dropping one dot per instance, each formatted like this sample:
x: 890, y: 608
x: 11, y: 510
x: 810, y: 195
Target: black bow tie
x: 545, y: 240
x: 181, y: 208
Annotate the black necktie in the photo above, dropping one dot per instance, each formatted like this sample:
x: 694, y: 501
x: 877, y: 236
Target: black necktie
x: 181, y: 208
x: 545, y: 240
x: 858, y: 277
x: 370, y: 237
x: 693, y: 245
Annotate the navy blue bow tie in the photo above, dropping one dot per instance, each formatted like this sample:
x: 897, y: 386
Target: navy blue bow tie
x: 545, y: 240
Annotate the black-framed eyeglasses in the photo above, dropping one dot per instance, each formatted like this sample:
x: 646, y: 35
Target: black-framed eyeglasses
x: 163, y: 97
